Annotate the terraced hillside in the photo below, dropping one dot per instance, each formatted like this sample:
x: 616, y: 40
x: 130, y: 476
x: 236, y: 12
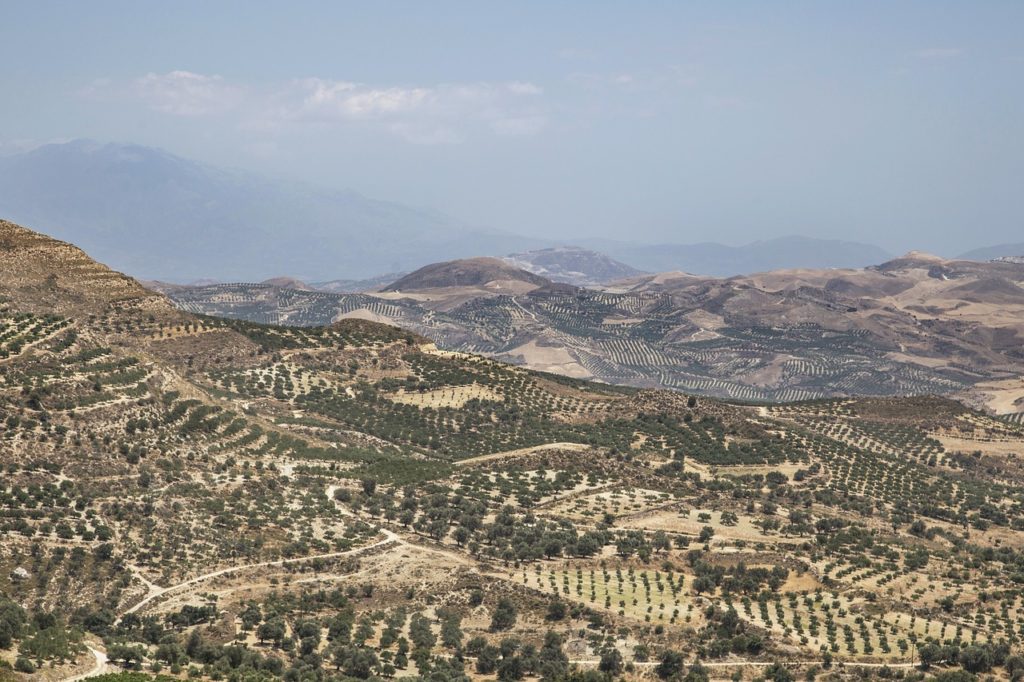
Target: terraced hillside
x: 222, y: 499
x: 913, y: 326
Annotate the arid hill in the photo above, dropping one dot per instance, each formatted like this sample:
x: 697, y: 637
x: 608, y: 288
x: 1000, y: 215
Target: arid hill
x: 44, y: 274
x: 248, y: 501
x: 485, y: 273
x: 288, y: 283
x: 257, y: 501
x: 917, y: 324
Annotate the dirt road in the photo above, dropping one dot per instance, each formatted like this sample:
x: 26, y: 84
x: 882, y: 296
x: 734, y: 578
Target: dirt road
x: 389, y: 537
x: 521, y: 452
x: 98, y: 669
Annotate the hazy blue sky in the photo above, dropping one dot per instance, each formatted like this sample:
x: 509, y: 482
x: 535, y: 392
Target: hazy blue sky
x: 898, y: 123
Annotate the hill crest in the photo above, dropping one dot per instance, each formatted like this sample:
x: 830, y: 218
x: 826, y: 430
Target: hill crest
x: 49, y: 275
x: 492, y: 273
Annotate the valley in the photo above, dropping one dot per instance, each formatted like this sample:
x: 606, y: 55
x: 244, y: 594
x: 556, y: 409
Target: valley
x: 207, y: 497
x: 511, y: 342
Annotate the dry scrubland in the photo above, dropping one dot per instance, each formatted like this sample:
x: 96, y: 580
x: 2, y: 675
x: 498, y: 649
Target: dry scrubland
x: 217, y: 499
x: 914, y: 325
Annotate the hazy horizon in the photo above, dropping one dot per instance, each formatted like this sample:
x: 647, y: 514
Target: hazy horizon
x: 894, y: 125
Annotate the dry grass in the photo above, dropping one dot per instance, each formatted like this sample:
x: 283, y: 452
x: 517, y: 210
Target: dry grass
x: 448, y: 396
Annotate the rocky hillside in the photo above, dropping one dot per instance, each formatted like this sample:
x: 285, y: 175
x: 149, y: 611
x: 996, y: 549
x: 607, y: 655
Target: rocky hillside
x: 46, y: 275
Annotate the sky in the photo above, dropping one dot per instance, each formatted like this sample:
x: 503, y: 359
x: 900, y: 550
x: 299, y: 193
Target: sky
x: 895, y: 123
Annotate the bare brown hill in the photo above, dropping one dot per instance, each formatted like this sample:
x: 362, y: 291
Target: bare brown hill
x: 990, y: 290
x: 470, y: 272
x: 47, y: 275
x: 288, y: 283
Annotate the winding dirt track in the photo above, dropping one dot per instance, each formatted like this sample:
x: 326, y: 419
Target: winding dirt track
x: 392, y: 538
x: 389, y: 538
x: 98, y: 669
x: 510, y: 454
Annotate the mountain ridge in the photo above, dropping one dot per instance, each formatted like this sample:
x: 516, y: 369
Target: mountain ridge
x: 50, y: 275
x: 719, y: 260
x: 993, y: 252
x: 165, y: 217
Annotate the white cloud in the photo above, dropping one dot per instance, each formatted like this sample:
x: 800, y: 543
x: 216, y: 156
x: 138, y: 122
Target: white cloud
x: 435, y: 114
x: 441, y: 114
x: 939, y: 52
x: 184, y: 93
x: 352, y: 100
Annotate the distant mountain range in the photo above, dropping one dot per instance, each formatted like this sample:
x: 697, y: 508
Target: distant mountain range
x: 718, y: 260
x: 160, y: 216
x: 994, y: 252
x: 153, y: 214
x: 346, y: 286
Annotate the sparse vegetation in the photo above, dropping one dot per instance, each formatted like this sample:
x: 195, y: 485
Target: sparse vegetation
x: 218, y: 499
